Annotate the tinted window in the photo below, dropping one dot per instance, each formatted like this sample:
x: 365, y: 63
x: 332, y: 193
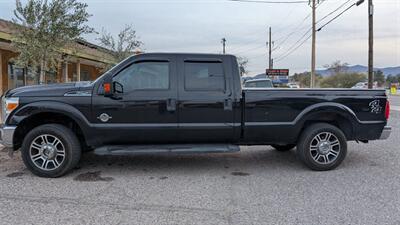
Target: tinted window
x: 144, y: 75
x: 204, y: 76
x: 259, y: 84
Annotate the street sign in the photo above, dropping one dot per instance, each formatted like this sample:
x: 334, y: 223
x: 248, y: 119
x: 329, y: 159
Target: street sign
x: 277, y: 72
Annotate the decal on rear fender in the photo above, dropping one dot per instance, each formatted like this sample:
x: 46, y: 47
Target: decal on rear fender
x: 375, y: 106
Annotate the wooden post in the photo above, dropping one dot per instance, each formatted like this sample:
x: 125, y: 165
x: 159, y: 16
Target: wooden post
x: 1, y: 74
x: 312, y: 81
x: 370, y: 44
x: 66, y: 72
x: 270, y: 49
x: 78, y: 70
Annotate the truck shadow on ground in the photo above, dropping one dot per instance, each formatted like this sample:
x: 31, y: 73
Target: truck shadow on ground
x: 244, y: 161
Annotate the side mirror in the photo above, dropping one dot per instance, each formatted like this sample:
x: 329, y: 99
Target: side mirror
x: 108, y: 86
x: 118, y: 87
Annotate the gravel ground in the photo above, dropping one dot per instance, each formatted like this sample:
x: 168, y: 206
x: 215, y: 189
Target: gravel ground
x: 255, y: 186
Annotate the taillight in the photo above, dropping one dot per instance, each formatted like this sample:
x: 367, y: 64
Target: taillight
x: 387, y: 109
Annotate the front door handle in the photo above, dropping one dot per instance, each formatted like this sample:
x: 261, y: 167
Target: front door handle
x: 171, y: 105
x: 228, y: 104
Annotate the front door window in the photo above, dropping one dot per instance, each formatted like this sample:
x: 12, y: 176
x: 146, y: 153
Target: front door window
x: 147, y: 75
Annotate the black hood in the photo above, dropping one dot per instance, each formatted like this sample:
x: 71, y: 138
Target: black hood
x: 50, y: 90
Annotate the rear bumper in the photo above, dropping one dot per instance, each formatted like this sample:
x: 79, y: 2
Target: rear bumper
x: 7, y: 135
x: 385, y: 133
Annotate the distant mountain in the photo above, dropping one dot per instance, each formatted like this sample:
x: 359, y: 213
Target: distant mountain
x: 363, y: 69
x: 355, y: 69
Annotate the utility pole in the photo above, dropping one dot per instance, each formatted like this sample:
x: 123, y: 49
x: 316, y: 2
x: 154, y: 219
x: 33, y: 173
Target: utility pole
x: 370, y: 44
x: 270, y: 49
x: 223, y: 41
x: 312, y: 80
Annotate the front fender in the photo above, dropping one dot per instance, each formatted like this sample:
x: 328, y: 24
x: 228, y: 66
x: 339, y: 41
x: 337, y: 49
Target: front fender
x: 35, y: 108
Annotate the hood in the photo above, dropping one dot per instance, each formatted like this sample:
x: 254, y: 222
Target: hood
x: 49, y: 90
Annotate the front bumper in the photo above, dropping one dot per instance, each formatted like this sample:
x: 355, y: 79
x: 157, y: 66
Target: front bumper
x: 385, y: 133
x: 7, y: 135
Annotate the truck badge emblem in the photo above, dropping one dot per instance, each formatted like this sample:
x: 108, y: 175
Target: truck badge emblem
x: 104, y: 117
x: 375, y: 106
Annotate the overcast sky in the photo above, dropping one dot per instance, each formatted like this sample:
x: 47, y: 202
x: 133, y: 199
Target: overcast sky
x: 199, y: 25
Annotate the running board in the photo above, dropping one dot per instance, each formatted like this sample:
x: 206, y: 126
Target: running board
x: 166, y: 149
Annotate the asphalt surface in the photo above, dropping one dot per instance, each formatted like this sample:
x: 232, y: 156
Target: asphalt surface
x: 255, y: 186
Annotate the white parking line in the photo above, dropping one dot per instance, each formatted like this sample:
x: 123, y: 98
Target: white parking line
x: 395, y: 107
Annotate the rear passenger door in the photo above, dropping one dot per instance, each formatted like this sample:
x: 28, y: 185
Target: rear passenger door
x: 204, y: 100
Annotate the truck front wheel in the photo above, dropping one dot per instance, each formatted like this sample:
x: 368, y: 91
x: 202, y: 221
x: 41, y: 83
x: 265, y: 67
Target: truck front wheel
x: 322, y: 147
x: 50, y: 150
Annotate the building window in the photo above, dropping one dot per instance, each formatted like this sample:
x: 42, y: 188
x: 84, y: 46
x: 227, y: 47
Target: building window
x: 31, y: 76
x: 16, y: 76
x: 85, y: 75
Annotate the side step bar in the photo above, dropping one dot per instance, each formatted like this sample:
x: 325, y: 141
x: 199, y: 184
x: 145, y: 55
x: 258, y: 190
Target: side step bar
x: 166, y: 149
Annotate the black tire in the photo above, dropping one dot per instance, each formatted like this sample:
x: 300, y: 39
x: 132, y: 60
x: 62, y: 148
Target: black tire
x: 69, y: 143
x: 283, y: 148
x: 329, y: 154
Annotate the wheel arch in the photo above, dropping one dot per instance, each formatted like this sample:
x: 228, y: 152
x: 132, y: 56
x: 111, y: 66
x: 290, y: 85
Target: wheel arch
x: 335, y: 114
x: 40, y: 113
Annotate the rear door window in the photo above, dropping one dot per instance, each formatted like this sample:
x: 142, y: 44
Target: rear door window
x: 204, y: 76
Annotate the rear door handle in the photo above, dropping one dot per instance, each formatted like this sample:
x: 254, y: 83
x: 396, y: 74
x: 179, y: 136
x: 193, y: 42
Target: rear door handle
x: 171, y: 105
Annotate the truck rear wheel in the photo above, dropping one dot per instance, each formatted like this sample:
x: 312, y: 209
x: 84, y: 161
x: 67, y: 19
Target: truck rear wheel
x: 322, y: 147
x: 283, y: 148
x: 50, y: 150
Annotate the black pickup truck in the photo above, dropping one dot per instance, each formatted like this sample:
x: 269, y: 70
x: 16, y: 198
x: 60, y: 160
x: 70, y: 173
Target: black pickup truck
x: 163, y: 103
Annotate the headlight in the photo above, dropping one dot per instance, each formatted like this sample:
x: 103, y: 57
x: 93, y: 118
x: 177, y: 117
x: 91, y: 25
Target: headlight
x: 9, y: 104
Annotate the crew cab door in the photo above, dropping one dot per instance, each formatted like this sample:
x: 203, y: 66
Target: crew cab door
x: 145, y: 110
x: 205, y: 104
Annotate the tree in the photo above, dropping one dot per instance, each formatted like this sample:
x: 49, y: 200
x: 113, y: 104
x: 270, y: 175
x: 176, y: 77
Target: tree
x: 393, y: 79
x: 44, y: 28
x: 337, y: 67
x: 379, y: 77
x: 122, y: 46
x: 342, y: 80
x: 304, y: 79
x: 243, y: 62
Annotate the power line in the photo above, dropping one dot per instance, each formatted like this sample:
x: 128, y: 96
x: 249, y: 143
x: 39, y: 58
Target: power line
x: 270, y: 2
x: 280, y: 58
x: 332, y: 12
x: 293, y: 32
x: 250, y: 49
x: 294, y: 47
x: 357, y: 3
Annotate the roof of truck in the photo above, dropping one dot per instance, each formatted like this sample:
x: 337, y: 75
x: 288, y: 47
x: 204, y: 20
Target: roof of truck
x: 185, y: 53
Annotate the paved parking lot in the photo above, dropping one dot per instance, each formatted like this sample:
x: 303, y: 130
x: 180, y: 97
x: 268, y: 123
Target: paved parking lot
x: 255, y: 186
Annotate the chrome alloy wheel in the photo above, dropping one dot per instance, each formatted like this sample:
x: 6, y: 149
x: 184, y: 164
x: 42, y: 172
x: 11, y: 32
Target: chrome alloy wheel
x: 47, y: 152
x: 325, y: 148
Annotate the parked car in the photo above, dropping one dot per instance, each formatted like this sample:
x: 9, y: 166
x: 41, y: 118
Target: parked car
x: 293, y: 85
x: 259, y: 83
x: 162, y: 103
x: 364, y: 85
